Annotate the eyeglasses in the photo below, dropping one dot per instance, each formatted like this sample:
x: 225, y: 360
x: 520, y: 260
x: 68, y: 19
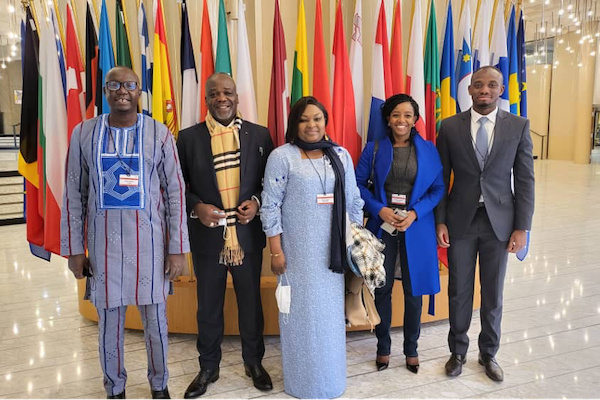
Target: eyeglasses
x: 116, y: 85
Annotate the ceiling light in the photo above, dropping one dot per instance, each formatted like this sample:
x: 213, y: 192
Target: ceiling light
x: 581, y: 41
x: 542, y: 29
x: 547, y: 2
x: 561, y: 11
x: 553, y: 29
x: 13, y: 47
x: 577, y: 23
x: 533, y: 71
x: 556, y: 62
x: 3, y: 65
x: 13, y: 53
x: 568, y: 48
x: 578, y: 31
x: 571, y: 16
x: 570, y: 7
x: 561, y: 41
x: 580, y: 65
x: 590, y: 13
x: 11, y: 8
x: 8, y: 59
x: 593, y: 54
x: 546, y: 66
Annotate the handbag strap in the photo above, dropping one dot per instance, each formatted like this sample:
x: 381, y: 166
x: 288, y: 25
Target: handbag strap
x: 372, y: 176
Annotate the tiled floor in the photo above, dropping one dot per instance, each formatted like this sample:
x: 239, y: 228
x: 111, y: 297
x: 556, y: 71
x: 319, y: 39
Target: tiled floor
x: 550, y: 345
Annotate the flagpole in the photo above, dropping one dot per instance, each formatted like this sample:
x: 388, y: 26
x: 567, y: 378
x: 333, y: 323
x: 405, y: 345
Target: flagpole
x: 27, y: 4
x: 493, y: 21
x: 60, y: 26
x: 476, y: 18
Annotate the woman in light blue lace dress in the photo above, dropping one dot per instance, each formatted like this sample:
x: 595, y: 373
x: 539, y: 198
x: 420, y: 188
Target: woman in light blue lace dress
x: 309, y: 185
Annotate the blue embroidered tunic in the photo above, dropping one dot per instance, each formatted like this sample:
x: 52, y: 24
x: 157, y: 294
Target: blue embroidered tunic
x: 124, y: 203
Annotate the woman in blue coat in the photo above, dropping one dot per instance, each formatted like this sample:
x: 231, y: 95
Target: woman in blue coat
x: 407, y: 185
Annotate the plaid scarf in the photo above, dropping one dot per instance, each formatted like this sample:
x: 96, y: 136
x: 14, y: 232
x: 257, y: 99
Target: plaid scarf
x: 225, y: 144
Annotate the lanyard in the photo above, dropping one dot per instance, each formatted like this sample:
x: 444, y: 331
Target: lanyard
x: 126, y: 166
x: 405, y: 165
x: 323, y: 184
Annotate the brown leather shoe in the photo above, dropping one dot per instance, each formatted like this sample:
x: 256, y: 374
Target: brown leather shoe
x: 492, y: 369
x: 454, y: 364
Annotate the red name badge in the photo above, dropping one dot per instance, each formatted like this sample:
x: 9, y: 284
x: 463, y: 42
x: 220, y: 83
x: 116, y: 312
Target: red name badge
x: 325, y: 198
x: 128, y: 180
x: 399, y: 199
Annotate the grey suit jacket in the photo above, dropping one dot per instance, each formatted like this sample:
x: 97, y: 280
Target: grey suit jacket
x: 507, y: 209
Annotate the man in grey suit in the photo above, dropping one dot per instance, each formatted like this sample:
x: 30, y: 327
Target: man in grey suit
x: 488, y: 150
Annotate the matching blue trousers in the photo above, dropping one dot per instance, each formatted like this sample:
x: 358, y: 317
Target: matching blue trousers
x: 111, y: 322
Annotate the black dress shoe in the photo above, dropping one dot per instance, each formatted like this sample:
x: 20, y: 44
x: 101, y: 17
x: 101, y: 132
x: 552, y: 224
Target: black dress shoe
x: 492, y: 369
x: 198, y: 386
x: 260, y: 377
x: 454, y: 364
x: 381, y: 365
x: 161, y: 394
x: 414, y: 368
x: 117, y: 396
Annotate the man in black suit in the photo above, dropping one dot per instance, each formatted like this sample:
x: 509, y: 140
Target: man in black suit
x: 207, y: 167
x: 487, y: 149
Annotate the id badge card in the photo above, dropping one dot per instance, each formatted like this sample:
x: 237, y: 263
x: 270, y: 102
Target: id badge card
x: 326, y: 198
x: 398, y: 199
x: 129, y: 180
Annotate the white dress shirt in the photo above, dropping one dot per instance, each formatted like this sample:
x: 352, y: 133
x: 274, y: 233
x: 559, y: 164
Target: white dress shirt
x: 489, y: 129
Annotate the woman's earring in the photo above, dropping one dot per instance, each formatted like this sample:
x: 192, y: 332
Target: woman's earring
x: 326, y: 137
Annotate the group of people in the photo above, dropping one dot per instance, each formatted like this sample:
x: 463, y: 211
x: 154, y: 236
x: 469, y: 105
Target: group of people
x: 136, y: 201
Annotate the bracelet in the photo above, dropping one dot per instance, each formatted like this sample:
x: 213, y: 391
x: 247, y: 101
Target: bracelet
x: 275, y: 255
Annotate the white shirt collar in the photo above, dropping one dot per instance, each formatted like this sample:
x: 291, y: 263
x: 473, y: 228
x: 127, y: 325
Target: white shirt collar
x: 475, y: 116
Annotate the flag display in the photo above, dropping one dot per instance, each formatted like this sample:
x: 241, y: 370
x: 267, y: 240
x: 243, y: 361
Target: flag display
x: 343, y: 93
x: 123, y: 52
x: 321, y: 85
x: 432, y: 78
x: 514, y: 92
x: 447, y: 74
x: 189, y: 79
x: 464, y: 62
x: 91, y: 65
x: 207, y: 66
x: 223, y: 61
x: 145, y: 62
x: 106, y: 59
x: 415, y: 80
x: 279, y: 99
x: 381, y: 76
x: 499, y: 52
x: 243, y: 73
x: 356, y: 69
x: 396, y: 62
x: 163, y: 101
x: 300, y: 71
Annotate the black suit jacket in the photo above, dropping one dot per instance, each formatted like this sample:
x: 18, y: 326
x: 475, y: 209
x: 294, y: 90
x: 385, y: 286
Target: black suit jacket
x: 509, y: 208
x: 198, y: 170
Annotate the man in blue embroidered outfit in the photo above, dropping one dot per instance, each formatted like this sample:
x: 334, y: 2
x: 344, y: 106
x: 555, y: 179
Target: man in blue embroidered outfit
x: 124, y: 204
x: 223, y: 162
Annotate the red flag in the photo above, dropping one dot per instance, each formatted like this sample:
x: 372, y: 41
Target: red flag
x: 381, y: 37
x: 75, y: 95
x: 396, y: 52
x: 207, y: 65
x: 321, y: 88
x: 344, y: 113
x: 279, y: 99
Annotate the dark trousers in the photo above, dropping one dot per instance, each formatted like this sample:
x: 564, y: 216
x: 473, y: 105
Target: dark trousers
x: 211, y: 284
x: 462, y: 255
x: 383, y: 300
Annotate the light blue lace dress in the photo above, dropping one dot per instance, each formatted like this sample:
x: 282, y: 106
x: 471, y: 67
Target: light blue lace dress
x: 313, y: 338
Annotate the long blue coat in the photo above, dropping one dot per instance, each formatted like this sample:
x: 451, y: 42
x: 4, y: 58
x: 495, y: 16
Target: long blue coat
x: 428, y: 189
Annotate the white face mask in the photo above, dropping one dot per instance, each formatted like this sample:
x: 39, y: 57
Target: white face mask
x: 283, y: 295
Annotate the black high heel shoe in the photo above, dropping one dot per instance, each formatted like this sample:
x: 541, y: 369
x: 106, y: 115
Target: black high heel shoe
x: 414, y: 368
x: 382, y: 365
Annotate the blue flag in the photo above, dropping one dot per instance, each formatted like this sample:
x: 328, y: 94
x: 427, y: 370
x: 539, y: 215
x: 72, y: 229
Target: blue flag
x: 106, y: 55
x: 146, y: 62
x: 522, y: 65
x: 513, y: 65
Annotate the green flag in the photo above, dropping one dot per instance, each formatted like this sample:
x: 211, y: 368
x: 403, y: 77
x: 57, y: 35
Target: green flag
x: 433, y: 107
x: 123, y: 53
x: 223, y: 61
